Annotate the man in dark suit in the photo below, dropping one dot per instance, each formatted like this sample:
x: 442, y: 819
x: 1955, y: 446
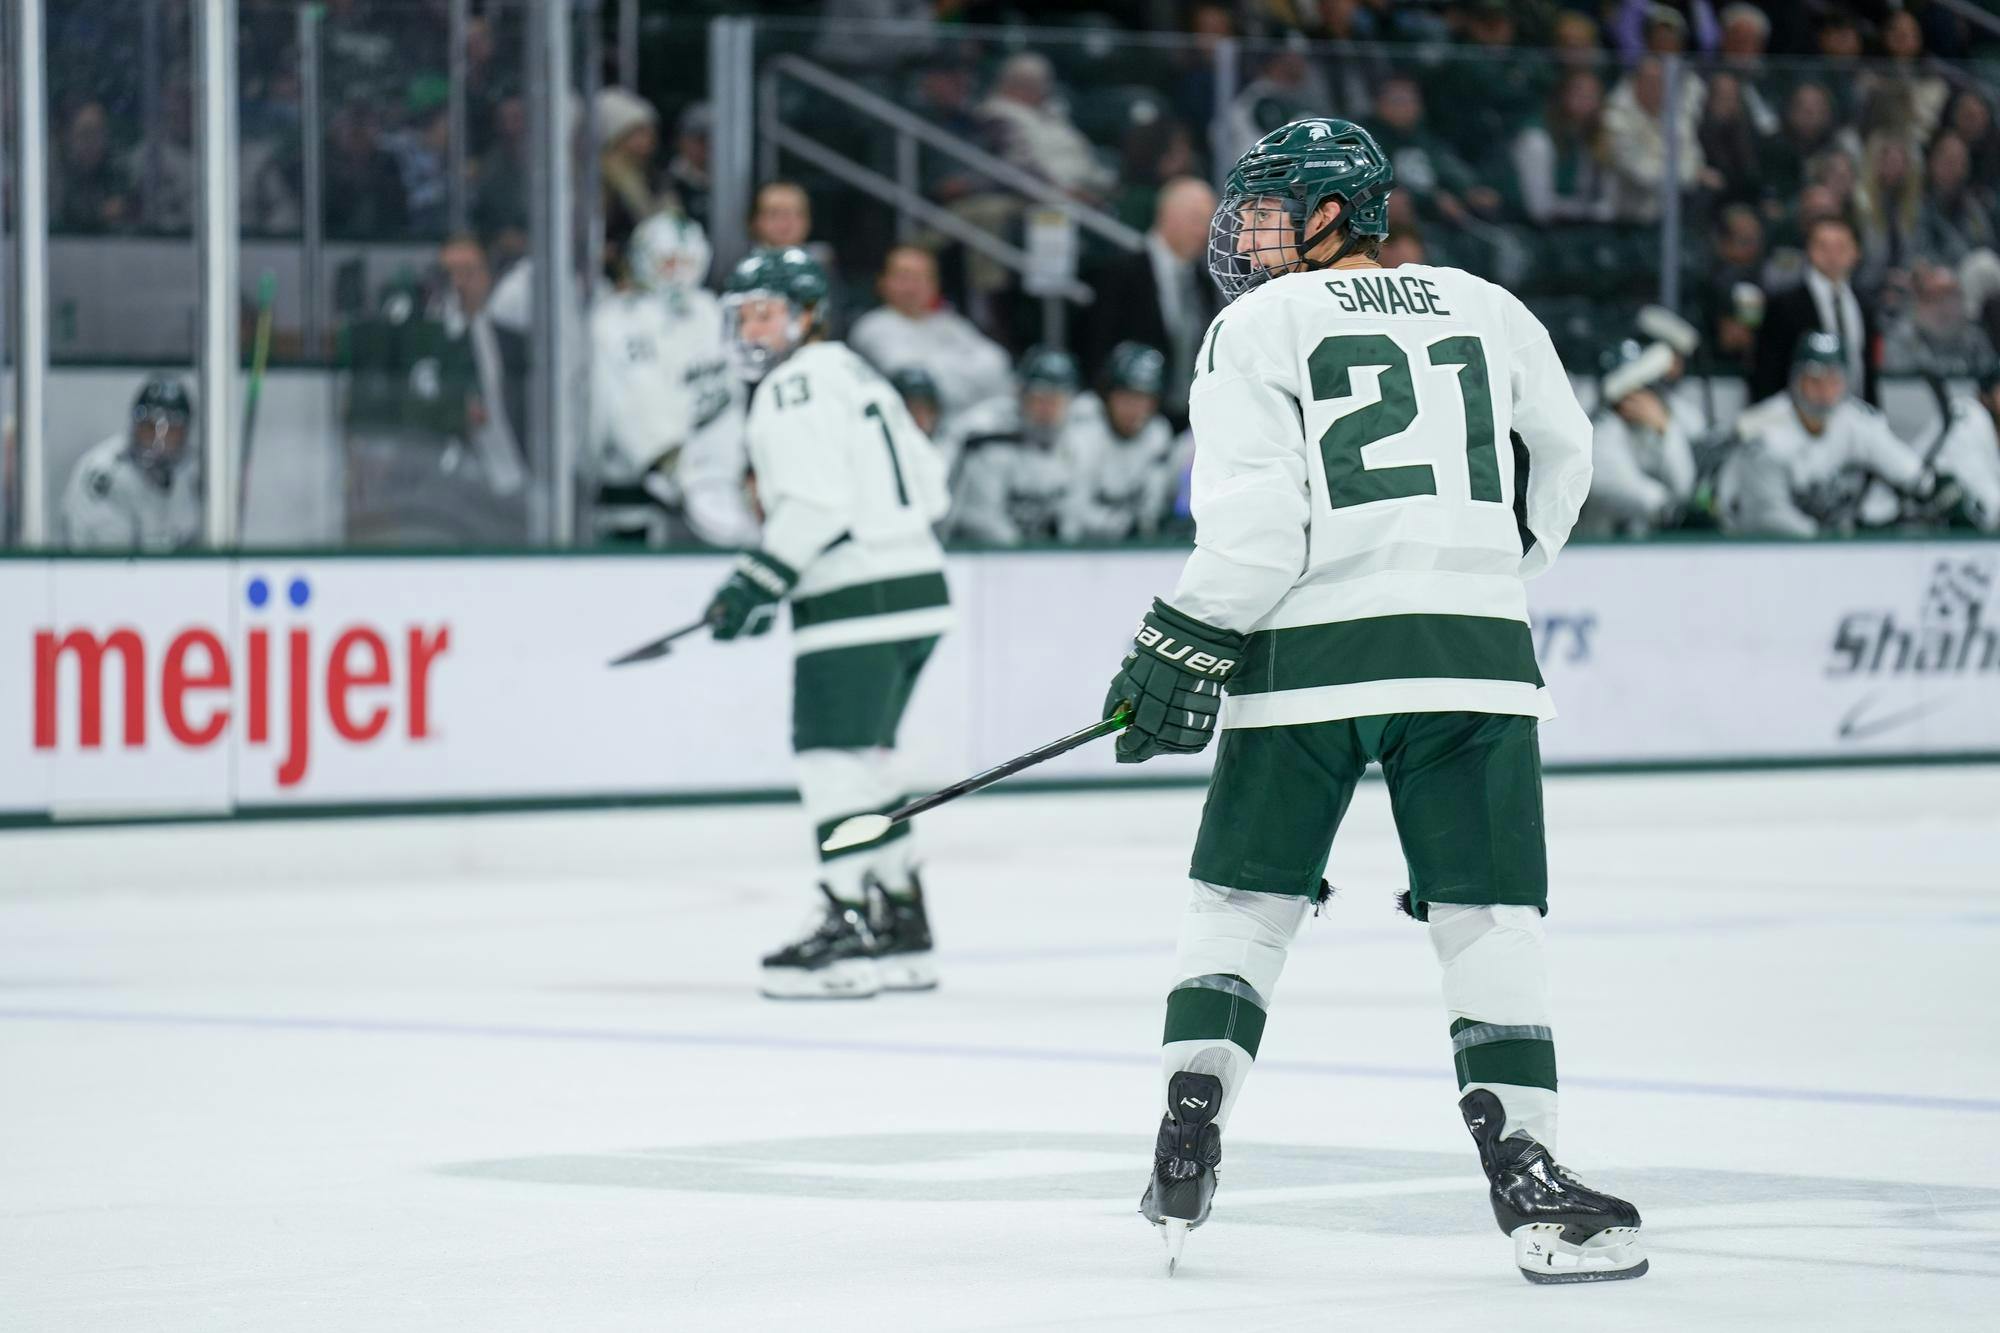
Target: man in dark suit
x: 1160, y: 295
x: 1824, y: 302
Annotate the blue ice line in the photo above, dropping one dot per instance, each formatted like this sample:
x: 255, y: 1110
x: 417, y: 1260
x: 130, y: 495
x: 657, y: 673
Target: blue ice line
x: 955, y: 1050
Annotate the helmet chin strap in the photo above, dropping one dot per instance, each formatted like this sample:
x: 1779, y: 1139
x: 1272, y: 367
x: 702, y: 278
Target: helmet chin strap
x: 1307, y: 244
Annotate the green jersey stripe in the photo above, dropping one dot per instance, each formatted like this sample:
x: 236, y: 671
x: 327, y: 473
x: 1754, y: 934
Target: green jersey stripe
x: 913, y: 592
x: 1386, y: 648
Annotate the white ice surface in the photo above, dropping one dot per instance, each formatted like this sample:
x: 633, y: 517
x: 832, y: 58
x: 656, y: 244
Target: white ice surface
x: 510, y: 1074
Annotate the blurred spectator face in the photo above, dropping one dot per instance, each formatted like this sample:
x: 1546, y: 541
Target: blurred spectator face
x: 1745, y: 32
x: 1287, y: 69
x: 1949, y: 164
x: 1398, y: 105
x: 1575, y: 36
x: 945, y: 87
x: 1902, y: 35
x: 464, y: 265
x: 1649, y: 86
x: 1816, y: 202
x: 1182, y: 216
x: 1043, y: 410
x: 1831, y: 248
x: 1939, y: 309
x: 783, y: 216
x: 1025, y: 78
x: 1210, y: 24
x: 1971, y: 117
x: 352, y: 134
x: 1582, y: 98
x: 1666, y: 34
x: 636, y: 145
x: 1130, y: 410
x: 909, y: 282
x: 1892, y: 164
x: 1491, y: 25
x: 1809, y: 114
x: 1725, y: 100
x: 1836, y: 172
x: 89, y: 138
x: 1741, y: 241
x: 1840, y: 39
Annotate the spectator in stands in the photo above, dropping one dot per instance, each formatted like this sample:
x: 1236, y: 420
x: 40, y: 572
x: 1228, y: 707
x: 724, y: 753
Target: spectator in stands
x: 1032, y: 130
x: 1578, y: 43
x: 687, y: 173
x: 1955, y: 222
x: 1562, y: 162
x: 1642, y: 26
x: 1155, y: 149
x: 1437, y: 180
x: 1840, y: 51
x: 1210, y: 24
x: 160, y: 171
x: 1809, y: 129
x: 944, y: 98
x: 500, y: 204
x: 364, y: 189
x: 1729, y: 143
x: 1746, y: 34
x: 1286, y: 87
x: 1901, y: 95
x: 422, y: 152
x: 87, y: 193
x: 1161, y: 295
x: 1635, y: 119
x: 628, y: 137
x: 1733, y: 297
x: 465, y: 314
x: 912, y: 328
x: 1936, y: 337
x: 1405, y: 245
x: 1824, y: 302
x: 781, y: 216
x: 1512, y: 91
x: 1889, y: 204
x: 1971, y: 119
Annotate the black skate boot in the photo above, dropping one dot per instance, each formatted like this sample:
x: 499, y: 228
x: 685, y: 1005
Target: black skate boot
x: 902, y: 936
x: 836, y: 961
x: 1184, y: 1160
x: 1563, y: 1230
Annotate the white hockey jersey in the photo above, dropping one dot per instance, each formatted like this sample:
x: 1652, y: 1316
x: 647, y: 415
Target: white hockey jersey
x: 1970, y: 455
x: 1782, y: 480
x: 111, y: 504
x: 967, y: 366
x: 1008, y: 487
x: 850, y: 490
x: 1355, y: 493
x: 666, y: 411
x: 1638, y: 476
x: 1118, y: 488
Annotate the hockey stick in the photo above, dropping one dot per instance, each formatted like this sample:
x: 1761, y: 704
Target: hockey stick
x: 866, y: 828
x: 260, y: 357
x: 660, y: 647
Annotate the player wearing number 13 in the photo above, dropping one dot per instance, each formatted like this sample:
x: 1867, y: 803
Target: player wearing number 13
x: 1380, y: 459
x: 850, y: 490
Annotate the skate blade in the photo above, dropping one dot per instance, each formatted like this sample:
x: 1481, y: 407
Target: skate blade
x: 1174, y: 1231
x: 907, y: 972
x: 849, y: 979
x: 1545, y: 1258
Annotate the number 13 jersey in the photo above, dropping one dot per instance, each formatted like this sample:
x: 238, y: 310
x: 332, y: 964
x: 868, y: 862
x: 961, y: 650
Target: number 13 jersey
x: 850, y: 489
x: 1381, y: 458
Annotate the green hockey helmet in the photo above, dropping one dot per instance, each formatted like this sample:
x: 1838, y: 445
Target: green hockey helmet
x: 790, y: 275
x: 1047, y: 369
x: 1819, y: 377
x: 1276, y: 187
x: 162, y: 412
x: 1137, y: 367
x: 914, y: 385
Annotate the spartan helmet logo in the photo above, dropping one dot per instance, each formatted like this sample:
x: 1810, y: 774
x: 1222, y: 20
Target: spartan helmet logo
x: 1317, y: 130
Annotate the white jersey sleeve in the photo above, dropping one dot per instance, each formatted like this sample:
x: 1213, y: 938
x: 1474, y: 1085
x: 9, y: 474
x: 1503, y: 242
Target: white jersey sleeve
x: 981, y: 512
x: 1970, y: 455
x: 1250, y: 498
x: 91, y: 518
x: 1881, y: 451
x: 1620, y: 489
x: 1556, y: 433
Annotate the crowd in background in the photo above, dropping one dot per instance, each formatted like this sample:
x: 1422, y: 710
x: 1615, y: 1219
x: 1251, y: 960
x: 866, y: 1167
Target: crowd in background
x: 1560, y: 176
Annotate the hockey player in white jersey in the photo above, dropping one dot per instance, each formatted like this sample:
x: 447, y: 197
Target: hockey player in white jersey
x: 1805, y: 460
x: 1969, y: 454
x: 139, y: 491
x: 1642, y: 463
x: 1120, y: 452
x: 1363, y: 528
x: 850, y: 489
x: 1011, y: 476
x: 667, y: 420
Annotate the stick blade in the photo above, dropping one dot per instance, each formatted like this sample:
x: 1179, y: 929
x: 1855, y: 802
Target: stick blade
x: 855, y: 831
x: 652, y: 652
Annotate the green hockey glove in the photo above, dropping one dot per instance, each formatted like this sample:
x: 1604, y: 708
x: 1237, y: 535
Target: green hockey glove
x: 748, y: 602
x: 1173, y: 680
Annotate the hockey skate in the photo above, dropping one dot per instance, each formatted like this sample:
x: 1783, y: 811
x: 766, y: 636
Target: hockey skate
x: 1184, y: 1160
x: 1563, y: 1230
x: 835, y: 961
x: 902, y: 932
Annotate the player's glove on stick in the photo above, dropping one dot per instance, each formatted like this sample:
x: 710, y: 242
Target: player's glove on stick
x: 748, y: 602
x: 1173, y: 680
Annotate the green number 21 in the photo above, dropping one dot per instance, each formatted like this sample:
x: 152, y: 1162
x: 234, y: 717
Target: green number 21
x: 1349, y: 479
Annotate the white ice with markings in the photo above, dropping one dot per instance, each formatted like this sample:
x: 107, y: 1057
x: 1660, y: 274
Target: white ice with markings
x: 511, y: 1073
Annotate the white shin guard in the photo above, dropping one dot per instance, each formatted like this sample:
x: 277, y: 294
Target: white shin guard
x: 837, y: 783
x: 1233, y: 946
x: 1496, y: 978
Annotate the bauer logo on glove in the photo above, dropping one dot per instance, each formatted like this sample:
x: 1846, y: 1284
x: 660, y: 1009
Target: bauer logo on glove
x: 1172, y: 681
x: 1166, y: 647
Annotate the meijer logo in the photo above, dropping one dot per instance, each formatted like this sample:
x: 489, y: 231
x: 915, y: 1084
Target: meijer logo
x: 371, y: 678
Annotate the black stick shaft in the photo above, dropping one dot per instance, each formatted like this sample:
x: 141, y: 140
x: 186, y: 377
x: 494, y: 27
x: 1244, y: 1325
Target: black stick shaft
x: 1111, y: 724
x: 658, y: 647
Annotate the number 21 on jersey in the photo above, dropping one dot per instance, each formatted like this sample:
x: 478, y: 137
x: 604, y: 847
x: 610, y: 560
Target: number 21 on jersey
x: 1350, y: 479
